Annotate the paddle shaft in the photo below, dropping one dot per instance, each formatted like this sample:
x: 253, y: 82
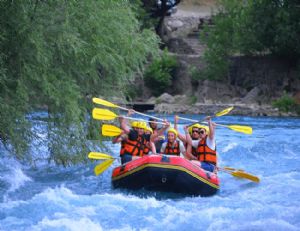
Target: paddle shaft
x: 109, y: 104
x: 131, y: 118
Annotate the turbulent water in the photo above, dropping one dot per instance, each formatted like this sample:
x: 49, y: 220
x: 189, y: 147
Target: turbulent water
x: 56, y: 198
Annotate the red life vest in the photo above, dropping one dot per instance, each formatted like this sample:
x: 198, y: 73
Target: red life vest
x: 204, y: 153
x: 173, y: 149
x: 135, y: 147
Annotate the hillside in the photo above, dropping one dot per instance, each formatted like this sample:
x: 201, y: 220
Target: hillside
x: 252, y: 83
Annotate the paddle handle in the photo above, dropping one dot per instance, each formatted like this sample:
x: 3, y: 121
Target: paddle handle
x: 140, y: 113
x: 131, y: 118
x: 187, y: 119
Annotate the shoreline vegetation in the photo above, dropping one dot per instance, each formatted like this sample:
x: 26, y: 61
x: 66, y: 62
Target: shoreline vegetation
x: 61, y: 54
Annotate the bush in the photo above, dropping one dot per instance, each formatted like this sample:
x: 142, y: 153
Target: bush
x: 287, y: 104
x: 158, y: 75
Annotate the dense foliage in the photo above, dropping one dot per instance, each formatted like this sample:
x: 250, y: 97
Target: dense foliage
x: 158, y: 75
x: 287, y: 104
x: 251, y: 27
x: 56, y: 55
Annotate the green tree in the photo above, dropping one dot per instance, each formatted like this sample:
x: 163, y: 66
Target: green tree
x: 158, y: 75
x: 252, y: 27
x: 56, y: 55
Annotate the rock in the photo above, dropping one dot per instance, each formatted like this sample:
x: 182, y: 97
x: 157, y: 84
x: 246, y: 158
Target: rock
x: 216, y: 92
x: 165, y: 98
x: 252, y: 95
x: 173, y: 25
x: 171, y: 108
x: 181, y: 99
x: 152, y: 100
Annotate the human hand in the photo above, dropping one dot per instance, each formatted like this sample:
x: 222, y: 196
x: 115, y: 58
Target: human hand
x: 167, y: 124
x: 176, y: 119
x: 186, y: 128
x: 207, y: 118
x: 130, y: 112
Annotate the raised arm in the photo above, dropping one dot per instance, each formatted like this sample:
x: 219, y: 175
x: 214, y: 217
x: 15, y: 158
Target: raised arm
x: 123, y: 122
x: 212, y: 127
x: 160, y: 131
x: 153, y: 148
x: 187, y: 135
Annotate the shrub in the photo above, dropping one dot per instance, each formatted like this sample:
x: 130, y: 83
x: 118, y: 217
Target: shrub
x: 158, y: 75
x: 286, y: 104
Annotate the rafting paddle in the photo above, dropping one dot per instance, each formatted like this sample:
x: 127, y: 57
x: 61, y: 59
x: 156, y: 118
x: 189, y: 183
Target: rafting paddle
x: 105, y: 114
x: 238, y: 128
x: 109, y: 104
x: 239, y: 174
x: 218, y: 114
x: 103, y: 166
x: 99, y: 156
x: 223, y: 112
x: 111, y: 130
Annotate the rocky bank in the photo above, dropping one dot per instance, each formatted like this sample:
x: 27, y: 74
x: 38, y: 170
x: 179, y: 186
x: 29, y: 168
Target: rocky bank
x: 250, y: 86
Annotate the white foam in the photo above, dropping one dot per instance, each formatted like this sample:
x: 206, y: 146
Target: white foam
x: 229, y: 147
x: 16, y: 178
x: 68, y: 224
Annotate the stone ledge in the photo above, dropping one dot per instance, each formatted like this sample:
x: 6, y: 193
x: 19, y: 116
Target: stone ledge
x: 210, y: 109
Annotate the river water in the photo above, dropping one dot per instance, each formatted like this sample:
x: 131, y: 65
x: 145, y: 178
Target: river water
x: 56, y: 198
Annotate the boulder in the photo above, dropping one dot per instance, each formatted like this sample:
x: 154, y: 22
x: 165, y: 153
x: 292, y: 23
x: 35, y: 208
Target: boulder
x: 216, y: 92
x: 165, y: 98
x: 252, y: 95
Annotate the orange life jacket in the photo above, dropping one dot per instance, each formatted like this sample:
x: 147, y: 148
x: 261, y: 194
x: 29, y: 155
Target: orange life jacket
x: 135, y: 147
x: 122, y: 151
x: 175, y: 150
x: 204, y: 153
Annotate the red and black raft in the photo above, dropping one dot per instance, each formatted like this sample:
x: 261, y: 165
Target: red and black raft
x: 165, y: 173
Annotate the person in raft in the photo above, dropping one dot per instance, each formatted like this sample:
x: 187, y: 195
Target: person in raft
x: 173, y: 146
x: 194, y: 132
x: 160, y: 139
x: 137, y: 139
x: 206, y: 155
x: 150, y: 146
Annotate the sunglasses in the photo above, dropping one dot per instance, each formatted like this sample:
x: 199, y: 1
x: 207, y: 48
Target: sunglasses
x: 199, y: 132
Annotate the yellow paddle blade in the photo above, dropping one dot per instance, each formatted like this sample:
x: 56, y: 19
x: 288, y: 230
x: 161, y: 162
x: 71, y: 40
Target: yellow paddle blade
x: 242, y: 129
x: 110, y: 130
x: 103, y: 166
x: 104, y: 102
x: 99, y: 156
x: 224, y: 112
x: 103, y: 114
x: 245, y: 175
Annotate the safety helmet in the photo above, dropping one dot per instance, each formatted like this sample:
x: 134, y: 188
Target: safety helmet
x: 134, y: 124
x: 141, y: 124
x: 149, y: 129
x: 173, y: 131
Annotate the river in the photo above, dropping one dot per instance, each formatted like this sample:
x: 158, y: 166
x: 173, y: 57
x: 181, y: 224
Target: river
x: 49, y: 197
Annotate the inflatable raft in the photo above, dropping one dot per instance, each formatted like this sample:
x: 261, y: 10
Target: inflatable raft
x: 165, y: 173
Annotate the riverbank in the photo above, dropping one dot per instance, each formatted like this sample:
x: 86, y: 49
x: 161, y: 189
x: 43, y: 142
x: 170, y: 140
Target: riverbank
x: 210, y: 109
x: 181, y: 104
